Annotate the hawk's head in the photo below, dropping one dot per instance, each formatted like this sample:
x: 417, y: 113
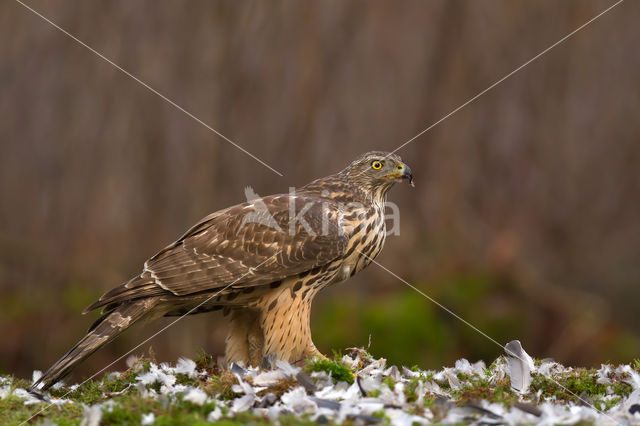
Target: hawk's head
x: 376, y: 171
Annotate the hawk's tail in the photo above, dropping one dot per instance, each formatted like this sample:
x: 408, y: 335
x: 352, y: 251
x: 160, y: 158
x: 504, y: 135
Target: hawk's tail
x: 104, y: 330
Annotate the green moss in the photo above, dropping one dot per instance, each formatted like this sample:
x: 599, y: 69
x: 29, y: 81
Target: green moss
x: 337, y: 370
x: 156, y: 386
x: 444, y: 384
x: 410, y: 389
x: 89, y: 393
x: 120, y: 416
x: 184, y: 379
x: 181, y: 405
x: 548, y: 387
x: 584, y: 382
x: 20, y: 383
x: 429, y: 400
x: 462, y: 376
x: 379, y: 414
x: 96, y: 391
x: 500, y: 393
x: 179, y: 419
x: 482, y: 388
x: 13, y: 412
x: 621, y: 388
x: 608, y: 404
x: 220, y: 386
x: 389, y: 382
x: 204, y: 361
x: 578, y: 383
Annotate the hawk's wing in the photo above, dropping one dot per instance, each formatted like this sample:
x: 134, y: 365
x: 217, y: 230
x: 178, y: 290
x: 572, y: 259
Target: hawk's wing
x: 245, y: 245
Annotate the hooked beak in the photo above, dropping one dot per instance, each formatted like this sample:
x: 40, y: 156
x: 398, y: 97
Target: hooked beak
x: 404, y: 172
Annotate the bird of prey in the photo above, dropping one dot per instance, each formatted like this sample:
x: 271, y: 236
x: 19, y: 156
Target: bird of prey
x: 262, y: 262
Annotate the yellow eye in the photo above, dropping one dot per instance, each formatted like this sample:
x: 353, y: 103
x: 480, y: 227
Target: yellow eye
x: 376, y: 165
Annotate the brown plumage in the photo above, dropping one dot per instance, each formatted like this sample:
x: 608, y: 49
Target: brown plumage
x: 262, y: 261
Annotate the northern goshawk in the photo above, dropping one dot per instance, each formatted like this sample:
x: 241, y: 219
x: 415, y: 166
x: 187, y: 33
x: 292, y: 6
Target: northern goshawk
x: 262, y: 262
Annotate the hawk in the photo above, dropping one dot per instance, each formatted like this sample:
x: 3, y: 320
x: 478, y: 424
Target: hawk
x: 262, y: 262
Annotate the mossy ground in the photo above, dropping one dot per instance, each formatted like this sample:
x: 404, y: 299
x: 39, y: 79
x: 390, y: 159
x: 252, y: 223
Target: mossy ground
x: 334, y: 368
x: 128, y: 404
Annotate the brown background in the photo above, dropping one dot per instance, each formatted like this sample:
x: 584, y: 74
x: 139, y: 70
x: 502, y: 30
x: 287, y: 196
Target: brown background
x: 524, y: 219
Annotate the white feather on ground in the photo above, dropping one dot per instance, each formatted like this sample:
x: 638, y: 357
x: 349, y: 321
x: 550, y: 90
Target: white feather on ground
x: 520, y: 366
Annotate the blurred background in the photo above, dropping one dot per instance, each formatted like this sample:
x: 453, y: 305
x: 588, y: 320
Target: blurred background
x: 525, y: 215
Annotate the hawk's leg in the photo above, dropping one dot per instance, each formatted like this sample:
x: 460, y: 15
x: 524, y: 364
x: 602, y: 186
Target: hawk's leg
x: 285, y: 318
x: 245, y: 338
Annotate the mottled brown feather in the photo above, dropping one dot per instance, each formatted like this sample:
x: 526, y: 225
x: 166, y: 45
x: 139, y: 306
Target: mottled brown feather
x: 221, y: 250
